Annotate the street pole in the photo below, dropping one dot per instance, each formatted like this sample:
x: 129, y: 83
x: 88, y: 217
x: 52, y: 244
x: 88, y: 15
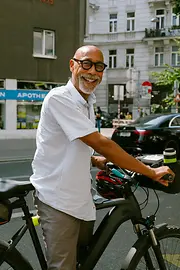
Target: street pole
x: 136, y: 98
x: 138, y: 87
x: 176, y: 92
x: 119, y: 104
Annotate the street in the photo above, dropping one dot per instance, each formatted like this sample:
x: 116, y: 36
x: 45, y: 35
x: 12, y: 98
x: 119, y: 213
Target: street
x: 122, y: 240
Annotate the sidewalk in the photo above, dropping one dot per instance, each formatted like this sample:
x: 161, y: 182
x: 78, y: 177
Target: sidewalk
x: 24, y: 149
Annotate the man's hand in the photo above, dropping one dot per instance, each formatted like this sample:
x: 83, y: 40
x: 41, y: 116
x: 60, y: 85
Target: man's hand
x: 160, y: 172
x: 99, y: 162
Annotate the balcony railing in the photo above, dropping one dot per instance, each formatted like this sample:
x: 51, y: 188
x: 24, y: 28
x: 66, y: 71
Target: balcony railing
x: 168, y: 32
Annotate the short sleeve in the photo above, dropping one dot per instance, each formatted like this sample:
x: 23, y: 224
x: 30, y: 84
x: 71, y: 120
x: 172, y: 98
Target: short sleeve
x: 70, y: 117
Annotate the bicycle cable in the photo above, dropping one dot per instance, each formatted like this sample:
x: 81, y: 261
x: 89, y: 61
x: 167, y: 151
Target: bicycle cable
x: 158, y: 202
x: 145, y: 202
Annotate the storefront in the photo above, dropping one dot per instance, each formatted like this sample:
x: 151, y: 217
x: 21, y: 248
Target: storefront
x: 19, y: 110
x: 28, y: 107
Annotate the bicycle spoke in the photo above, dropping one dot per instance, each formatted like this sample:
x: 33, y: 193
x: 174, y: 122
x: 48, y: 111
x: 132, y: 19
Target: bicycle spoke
x: 170, y: 248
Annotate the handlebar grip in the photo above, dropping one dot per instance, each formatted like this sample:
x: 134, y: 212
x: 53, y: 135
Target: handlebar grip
x: 118, y: 173
x: 168, y: 177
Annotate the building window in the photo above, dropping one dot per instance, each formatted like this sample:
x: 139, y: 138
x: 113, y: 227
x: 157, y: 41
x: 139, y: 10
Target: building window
x: 159, y: 56
x: 28, y: 114
x: 129, y: 58
x: 175, y: 56
x: 112, y: 58
x: 2, y: 112
x: 175, y: 18
x: 1, y: 83
x: 44, y: 43
x: 112, y: 23
x: 161, y: 18
x: 130, y: 21
x: 112, y: 3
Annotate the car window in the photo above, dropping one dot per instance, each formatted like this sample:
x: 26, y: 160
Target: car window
x: 164, y: 124
x: 175, y: 122
x: 150, y: 120
x: 105, y: 114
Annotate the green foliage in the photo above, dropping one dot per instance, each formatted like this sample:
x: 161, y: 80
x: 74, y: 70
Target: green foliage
x: 169, y: 101
x: 167, y: 76
x: 176, y: 4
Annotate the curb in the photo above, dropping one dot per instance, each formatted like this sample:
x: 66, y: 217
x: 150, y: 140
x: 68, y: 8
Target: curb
x: 18, y: 159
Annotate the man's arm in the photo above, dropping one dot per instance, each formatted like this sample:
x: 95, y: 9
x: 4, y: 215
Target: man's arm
x: 114, y: 153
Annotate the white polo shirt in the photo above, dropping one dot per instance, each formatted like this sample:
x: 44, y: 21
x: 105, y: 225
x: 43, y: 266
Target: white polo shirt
x: 61, y: 165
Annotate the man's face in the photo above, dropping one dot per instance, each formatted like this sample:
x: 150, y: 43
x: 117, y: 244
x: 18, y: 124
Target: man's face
x: 84, y: 76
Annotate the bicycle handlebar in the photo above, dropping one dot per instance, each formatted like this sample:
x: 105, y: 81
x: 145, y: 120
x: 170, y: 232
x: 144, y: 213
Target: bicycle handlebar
x: 123, y: 174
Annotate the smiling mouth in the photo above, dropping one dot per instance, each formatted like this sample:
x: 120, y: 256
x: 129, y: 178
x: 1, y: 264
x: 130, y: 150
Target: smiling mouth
x: 89, y: 80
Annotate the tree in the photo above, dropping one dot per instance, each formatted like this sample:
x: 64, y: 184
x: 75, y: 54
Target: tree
x: 176, y: 4
x: 168, y: 77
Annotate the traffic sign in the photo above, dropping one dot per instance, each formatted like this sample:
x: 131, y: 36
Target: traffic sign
x: 147, y: 86
x: 130, y: 88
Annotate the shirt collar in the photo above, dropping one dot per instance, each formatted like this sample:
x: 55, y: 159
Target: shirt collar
x: 77, y: 96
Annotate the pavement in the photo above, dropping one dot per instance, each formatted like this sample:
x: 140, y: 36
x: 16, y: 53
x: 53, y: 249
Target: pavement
x: 24, y: 149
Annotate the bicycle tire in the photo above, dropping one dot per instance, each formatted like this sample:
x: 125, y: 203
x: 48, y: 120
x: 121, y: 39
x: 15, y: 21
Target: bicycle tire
x: 14, y: 260
x: 135, y: 257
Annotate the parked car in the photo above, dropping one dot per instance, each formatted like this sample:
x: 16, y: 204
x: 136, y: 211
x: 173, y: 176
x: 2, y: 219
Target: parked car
x: 150, y: 134
x: 106, y: 120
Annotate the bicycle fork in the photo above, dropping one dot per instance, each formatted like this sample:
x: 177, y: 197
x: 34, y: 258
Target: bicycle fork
x: 156, y: 249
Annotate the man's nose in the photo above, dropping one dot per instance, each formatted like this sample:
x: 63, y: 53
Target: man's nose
x: 92, y: 69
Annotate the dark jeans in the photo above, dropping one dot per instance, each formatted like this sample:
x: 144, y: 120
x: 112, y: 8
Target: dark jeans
x: 98, y: 124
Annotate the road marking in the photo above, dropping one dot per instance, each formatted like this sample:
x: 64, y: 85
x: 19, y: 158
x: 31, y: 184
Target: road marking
x: 21, y: 214
x: 16, y: 177
x: 16, y: 160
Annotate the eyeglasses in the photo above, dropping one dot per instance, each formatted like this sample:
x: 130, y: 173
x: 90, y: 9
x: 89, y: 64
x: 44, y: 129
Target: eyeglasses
x: 87, y: 64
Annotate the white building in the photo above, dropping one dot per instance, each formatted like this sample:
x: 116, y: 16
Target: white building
x: 133, y: 34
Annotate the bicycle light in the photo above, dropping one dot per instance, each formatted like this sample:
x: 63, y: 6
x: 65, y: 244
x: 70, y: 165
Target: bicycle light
x: 35, y: 220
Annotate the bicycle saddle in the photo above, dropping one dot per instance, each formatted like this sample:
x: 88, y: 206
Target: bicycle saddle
x: 12, y: 188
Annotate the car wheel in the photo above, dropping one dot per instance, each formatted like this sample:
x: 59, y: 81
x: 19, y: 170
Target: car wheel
x: 173, y: 144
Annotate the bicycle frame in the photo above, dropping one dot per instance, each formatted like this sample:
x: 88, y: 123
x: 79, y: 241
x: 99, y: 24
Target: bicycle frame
x: 21, y: 203
x: 122, y: 210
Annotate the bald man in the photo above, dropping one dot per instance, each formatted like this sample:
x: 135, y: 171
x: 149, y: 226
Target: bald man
x: 66, y: 137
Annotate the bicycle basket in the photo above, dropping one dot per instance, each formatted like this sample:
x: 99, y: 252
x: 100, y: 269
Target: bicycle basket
x: 107, y: 186
x: 5, y: 211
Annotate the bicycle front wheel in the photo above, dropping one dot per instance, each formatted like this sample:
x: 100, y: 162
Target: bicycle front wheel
x: 169, y: 242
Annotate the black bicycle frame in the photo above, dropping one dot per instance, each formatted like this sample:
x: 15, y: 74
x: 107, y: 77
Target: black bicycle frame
x: 121, y: 211
x: 21, y: 203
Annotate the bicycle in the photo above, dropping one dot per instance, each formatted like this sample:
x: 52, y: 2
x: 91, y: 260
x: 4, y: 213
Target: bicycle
x: 123, y: 208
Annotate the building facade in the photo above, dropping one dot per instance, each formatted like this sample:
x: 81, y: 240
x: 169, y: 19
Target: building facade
x: 37, y: 42
x: 137, y: 37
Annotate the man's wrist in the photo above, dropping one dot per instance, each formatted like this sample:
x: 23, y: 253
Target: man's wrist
x: 152, y: 173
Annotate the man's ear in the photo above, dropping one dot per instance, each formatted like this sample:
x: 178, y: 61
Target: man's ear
x: 71, y: 65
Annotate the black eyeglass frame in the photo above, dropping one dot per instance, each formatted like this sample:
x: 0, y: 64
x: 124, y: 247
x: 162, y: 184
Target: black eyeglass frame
x: 91, y: 64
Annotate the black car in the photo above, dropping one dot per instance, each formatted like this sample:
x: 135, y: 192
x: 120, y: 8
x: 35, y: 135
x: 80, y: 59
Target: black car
x: 106, y: 120
x: 150, y: 134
